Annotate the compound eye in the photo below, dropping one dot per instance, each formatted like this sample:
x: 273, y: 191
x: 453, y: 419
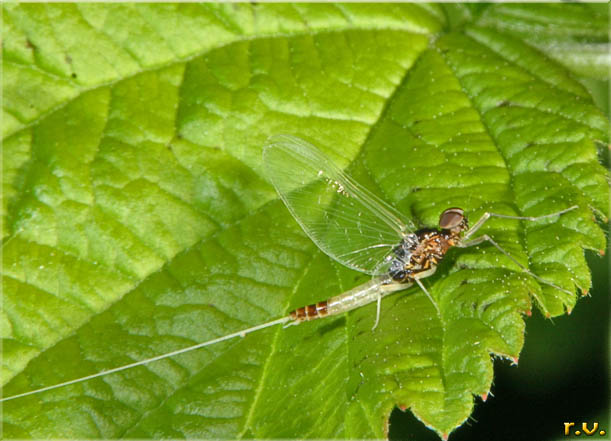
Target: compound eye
x: 451, y: 218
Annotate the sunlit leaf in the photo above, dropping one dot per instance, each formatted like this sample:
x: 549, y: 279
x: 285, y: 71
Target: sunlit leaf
x: 137, y: 218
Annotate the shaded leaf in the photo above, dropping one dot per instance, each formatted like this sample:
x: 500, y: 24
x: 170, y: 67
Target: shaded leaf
x: 575, y: 35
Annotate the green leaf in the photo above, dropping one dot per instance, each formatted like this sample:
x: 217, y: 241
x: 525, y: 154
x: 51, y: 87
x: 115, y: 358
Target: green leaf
x: 575, y: 35
x: 137, y: 219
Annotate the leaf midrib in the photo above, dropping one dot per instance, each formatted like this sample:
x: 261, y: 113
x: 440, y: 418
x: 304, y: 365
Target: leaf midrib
x: 272, y: 351
x: 277, y: 332
x: 174, y: 63
x: 218, y: 231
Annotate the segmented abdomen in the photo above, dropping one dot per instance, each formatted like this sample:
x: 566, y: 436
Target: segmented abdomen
x: 310, y: 312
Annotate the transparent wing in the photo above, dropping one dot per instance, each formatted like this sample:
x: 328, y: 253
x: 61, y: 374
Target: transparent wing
x: 345, y: 220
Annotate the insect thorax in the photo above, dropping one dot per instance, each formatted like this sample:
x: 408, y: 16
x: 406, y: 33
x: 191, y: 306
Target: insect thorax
x: 419, y: 252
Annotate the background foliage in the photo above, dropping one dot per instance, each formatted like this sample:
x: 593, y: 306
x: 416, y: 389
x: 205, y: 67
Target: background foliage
x: 136, y: 218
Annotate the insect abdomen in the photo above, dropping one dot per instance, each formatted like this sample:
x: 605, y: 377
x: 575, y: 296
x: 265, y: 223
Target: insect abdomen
x: 310, y: 312
x: 351, y: 299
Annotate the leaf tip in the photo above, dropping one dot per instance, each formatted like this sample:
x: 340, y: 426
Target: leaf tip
x: 445, y: 436
x: 484, y: 396
x: 528, y: 313
x: 514, y: 361
x: 601, y: 252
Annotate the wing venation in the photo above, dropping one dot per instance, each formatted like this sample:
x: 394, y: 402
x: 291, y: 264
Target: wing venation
x: 345, y: 220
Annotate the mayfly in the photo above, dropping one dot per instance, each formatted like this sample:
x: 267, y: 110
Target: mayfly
x: 357, y: 229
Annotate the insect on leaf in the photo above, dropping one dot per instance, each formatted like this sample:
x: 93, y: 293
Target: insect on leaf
x: 346, y: 221
x: 138, y: 217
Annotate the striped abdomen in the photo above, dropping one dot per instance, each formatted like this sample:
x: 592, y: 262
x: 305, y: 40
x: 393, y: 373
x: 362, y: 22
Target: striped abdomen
x: 310, y: 312
x: 361, y: 295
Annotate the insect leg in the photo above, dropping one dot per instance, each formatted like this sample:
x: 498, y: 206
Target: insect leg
x: 378, y: 307
x: 428, y: 295
x: 488, y: 215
